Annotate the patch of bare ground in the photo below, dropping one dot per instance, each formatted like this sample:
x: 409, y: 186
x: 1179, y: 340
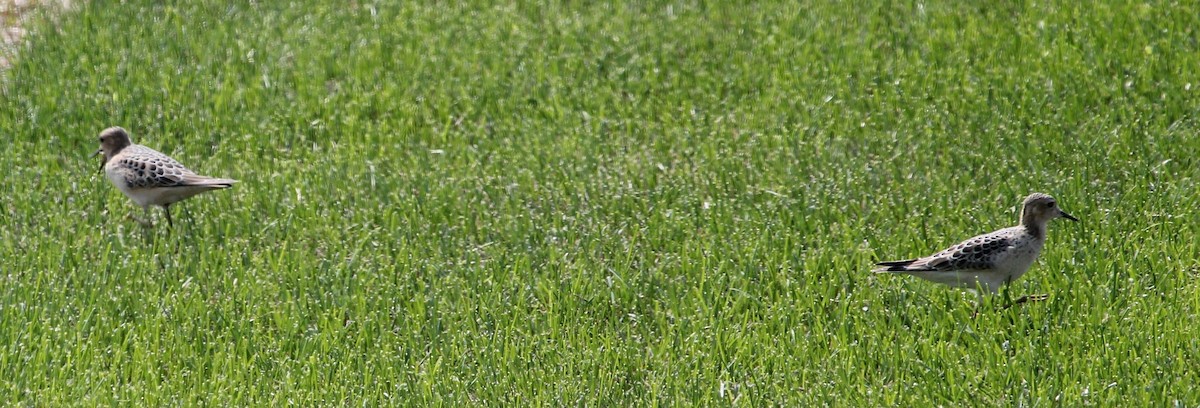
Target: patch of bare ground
x: 13, y: 14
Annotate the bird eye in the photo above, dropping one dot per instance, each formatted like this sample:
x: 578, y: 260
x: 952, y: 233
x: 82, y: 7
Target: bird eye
x: 1051, y: 204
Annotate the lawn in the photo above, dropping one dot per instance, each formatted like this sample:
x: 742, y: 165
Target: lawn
x: 554, y: 203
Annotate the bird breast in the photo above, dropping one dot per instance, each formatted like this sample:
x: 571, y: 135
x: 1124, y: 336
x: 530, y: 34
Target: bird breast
x: 1017, y: 260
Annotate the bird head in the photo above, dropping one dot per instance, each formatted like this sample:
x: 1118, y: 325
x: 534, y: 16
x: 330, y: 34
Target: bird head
x: 112, y: 140
x: 1039, y: 208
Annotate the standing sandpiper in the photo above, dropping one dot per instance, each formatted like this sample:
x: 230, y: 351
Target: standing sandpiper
x: 989, y: 261
x: 149, y: 177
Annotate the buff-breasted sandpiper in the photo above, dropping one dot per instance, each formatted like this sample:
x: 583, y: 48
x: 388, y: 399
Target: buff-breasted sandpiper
x: 149, y: 177
x: 987, y: 262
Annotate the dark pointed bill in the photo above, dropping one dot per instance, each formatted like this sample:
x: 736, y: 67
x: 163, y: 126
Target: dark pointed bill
x: 1069, y: 216
x: 98, y: 151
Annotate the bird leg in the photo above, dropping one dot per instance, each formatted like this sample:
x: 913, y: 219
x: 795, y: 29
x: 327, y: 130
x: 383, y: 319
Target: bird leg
x: 144, y: 222
x: 978, y: 303
x: 167, y: 210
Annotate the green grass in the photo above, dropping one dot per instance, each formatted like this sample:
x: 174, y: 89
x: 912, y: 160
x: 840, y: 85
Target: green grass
x: 667, y: 203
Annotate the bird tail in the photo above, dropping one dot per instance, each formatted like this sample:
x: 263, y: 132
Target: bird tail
x: 215, y: 183
x: 894, y: 266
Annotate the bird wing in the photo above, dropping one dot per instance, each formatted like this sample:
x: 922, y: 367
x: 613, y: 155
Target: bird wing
x: 973, y: 254
x: 147, y: 168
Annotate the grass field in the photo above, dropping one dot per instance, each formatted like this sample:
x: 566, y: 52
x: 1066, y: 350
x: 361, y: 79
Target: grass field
x: 664, y: 203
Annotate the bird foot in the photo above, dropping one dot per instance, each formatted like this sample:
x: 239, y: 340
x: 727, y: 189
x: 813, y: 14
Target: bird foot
x: 143, y: 223
x: 1028, y: 299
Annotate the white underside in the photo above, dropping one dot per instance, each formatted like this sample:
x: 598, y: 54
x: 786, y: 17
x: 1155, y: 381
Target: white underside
x: 160, y: 196
x: 1008, y: 269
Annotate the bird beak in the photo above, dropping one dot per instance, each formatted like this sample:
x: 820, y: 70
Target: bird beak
x: 98, y: 151
x: 1069, y: 216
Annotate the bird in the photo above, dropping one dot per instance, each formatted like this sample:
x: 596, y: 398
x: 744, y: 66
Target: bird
x: 148, y: 177
x: 987, y: 262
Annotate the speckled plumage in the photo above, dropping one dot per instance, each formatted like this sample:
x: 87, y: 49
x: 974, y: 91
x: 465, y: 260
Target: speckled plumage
x: 989, y: 261
x: 149, y: 177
